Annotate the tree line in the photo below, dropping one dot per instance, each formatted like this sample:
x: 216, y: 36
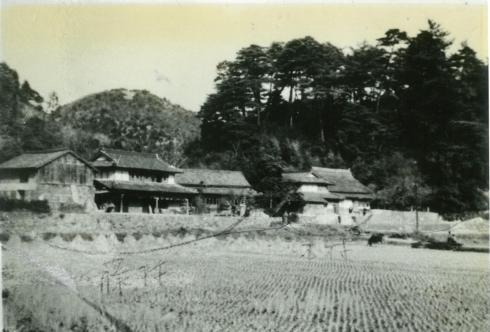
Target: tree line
x: 408, y: 118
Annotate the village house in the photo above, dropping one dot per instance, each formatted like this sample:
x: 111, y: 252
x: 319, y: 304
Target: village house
x: 355, y: 197
x: 59, y: 177
x: 220, y: 189
x: 326, y: 192
x: 315, y: 193
x: 136, y: 182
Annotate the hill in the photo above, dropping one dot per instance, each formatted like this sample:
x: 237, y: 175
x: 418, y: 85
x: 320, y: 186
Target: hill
x: 22, y: 117
x: 128, y: 119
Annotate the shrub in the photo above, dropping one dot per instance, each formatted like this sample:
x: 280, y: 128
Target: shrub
x: 293, y: 218
x: 8, y: 205
x: 398, y: 236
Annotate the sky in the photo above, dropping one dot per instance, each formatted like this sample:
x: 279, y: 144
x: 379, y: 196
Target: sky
x: 172, y: 50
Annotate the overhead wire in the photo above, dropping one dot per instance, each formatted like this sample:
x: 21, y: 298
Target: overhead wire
x: 226, y: 231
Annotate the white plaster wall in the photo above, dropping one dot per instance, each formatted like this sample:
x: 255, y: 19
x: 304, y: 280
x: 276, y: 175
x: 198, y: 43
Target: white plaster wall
x: 17, y: 186
x: 121, y: 175
x: 105, y: 175
x: 316, y: 209
x: 171, y: 179
x: 308, y: 188
x: 346, y: 204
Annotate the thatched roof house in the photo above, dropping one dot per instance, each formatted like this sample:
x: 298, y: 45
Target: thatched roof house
x: 314, y: 191
x: 326, y: 191
x: 343, y: 183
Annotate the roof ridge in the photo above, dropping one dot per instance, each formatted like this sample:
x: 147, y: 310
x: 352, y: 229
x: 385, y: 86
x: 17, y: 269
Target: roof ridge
x: 40, y: 163
x: 331, y: 169
x: 208, y: 169
x: 153, y: 155
x: 46, y: 151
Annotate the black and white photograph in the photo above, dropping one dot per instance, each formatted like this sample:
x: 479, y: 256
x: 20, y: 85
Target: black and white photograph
x: 244, y: 166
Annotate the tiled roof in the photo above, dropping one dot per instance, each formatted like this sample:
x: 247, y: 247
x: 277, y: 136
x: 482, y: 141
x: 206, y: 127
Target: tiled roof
x: 356, y: 196
x: 303, y: 177
x: 311, y: 197
x: 36, y: 159
x: 134, y: 160
x: 225, y: 191
x: 103, y: 163
x: 212, y: 178
x: 342, y: 179
x: 147, y: 186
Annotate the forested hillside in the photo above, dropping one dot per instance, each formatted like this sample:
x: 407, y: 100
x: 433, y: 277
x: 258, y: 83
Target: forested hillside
x: 409, y: 119
x: 22, y: 118
x: 129, y: 120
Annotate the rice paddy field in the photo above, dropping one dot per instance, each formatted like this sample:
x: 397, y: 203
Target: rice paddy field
x: 241, y: 284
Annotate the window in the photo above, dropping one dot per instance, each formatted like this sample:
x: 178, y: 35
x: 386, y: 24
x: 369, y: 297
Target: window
x: 22, y: 194
x: 24, y: 178
x: 212, y: 200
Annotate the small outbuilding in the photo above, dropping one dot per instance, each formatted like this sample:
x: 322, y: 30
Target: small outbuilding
x: 59, y: 177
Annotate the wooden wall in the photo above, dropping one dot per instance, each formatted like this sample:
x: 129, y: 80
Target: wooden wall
x: 65, y: 170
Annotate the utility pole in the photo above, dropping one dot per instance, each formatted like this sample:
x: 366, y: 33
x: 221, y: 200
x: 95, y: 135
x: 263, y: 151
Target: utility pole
x: 415, y: 186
